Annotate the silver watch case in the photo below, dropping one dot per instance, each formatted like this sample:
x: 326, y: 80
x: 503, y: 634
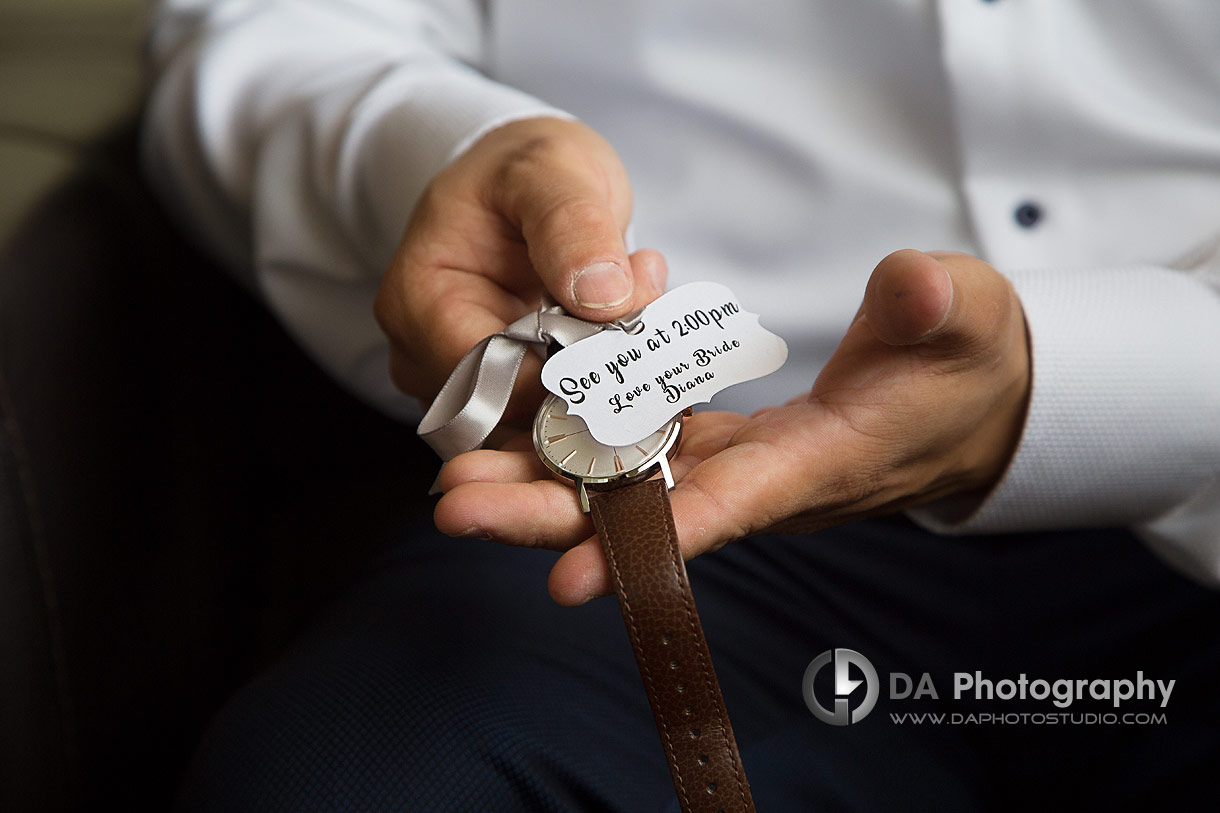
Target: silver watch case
x: 656, y: 457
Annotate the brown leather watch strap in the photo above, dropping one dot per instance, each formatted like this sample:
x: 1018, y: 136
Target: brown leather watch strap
x: 636, y: 528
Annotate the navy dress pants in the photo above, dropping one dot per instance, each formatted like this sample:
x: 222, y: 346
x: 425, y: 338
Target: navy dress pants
x: 447, y: 680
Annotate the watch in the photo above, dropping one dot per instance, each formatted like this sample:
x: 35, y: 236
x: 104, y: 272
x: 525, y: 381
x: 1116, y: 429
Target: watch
x: 630, y: 508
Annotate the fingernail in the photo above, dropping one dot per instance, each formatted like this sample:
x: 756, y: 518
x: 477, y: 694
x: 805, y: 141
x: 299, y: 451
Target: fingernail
x: 601, y: 285
x: 944, y: 318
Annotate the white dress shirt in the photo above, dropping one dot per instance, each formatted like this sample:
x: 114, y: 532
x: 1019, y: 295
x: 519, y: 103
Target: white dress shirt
x: 781, y: 148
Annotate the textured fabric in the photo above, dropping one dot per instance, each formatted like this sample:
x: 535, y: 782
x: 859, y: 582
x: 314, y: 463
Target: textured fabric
x: 446, y: 680
x: 780, y: 150
x: 1129, y: 380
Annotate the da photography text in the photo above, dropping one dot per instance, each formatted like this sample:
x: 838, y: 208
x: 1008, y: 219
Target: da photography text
x: 856, y: 687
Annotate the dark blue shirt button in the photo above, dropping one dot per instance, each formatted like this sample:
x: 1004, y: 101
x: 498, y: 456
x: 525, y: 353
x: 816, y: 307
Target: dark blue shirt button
x: 1028, y: 215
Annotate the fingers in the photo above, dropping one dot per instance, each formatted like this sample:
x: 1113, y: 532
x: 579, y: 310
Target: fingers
x: 540, y: 514
x: 511, y: 497
x: 535, y: 205
x: 651, y: 274
x: 580, y: 575
x: 760, y: 474
x: 884, y: 427
x: 490, y: 466
x: 432, y: 320
x: 732, y: 493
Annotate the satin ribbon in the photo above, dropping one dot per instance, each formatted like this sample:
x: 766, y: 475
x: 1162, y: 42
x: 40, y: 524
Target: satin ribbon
x: 474, y: 398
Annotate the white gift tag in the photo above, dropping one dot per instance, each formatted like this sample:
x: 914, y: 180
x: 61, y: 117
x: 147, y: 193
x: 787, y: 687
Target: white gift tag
x: 691, y: 343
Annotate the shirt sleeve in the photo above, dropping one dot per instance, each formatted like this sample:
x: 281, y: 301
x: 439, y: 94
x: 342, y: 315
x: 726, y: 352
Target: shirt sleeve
x: 1123, y: 426
x: 294, y: 136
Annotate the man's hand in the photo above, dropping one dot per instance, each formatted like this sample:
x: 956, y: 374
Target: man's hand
x: 924, y: 399
x: 533, y: 205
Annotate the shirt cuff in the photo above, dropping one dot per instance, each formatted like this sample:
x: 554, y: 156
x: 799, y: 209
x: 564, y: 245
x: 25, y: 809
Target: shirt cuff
x: 1124, y: 415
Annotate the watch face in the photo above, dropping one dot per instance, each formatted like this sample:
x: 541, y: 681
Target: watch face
x: 565, y: 445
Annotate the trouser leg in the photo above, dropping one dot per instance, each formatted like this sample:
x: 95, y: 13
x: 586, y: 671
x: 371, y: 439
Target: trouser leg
x: 447, y: 680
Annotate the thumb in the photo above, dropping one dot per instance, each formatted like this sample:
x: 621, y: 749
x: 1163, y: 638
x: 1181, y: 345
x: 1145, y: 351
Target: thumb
x: 571, y: 199
x: 909, y: 298
x: 577, y: 250
x: 953, y: 303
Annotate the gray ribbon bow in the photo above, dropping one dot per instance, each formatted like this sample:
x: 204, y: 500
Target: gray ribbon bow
x: 474, y: 398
